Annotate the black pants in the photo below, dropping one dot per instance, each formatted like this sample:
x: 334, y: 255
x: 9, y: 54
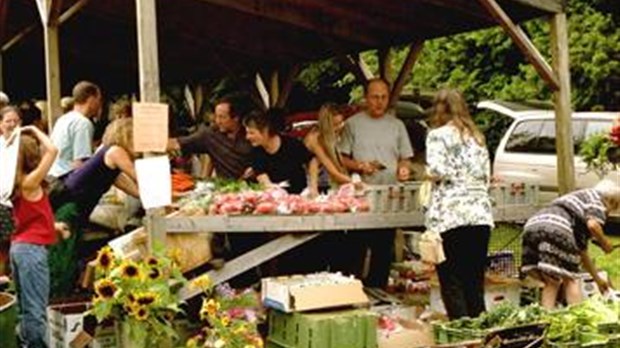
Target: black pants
x: 355, y: 245
x: 461, y: 276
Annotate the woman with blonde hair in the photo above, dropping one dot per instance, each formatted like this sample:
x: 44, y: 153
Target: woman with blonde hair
x: 555, y: 240
x: 460, y: 207
x: 112, y: 164
x: 321, y: 141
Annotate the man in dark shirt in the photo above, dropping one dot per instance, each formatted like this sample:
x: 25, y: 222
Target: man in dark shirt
x: 226, y: 144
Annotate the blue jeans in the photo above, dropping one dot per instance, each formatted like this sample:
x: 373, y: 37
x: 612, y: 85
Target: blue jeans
x: 31, y: 273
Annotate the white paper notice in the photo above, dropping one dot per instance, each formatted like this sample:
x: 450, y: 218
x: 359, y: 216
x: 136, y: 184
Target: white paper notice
x: 150, y: 127
x: 154, y: 181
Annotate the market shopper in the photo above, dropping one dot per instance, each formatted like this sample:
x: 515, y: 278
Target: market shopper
x: 112, y: 164
x: 4, y: 100
x: 376, y: 145
x: 555, y: 241
x: 34, y: 232
x: 322, y: 142
x: 460, y: 207
x: 73, y: 132
x: 276, y: 159
x: 10, y: 118
x: 226, y: 143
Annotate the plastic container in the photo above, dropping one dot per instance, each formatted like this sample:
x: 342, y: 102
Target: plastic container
x: 8, y: 320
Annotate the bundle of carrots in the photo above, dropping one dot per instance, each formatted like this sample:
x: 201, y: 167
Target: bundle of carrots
x: 182, y: 182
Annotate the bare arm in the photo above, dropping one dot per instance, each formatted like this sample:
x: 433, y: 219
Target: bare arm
x: 357, y: 166
x: 313, y: 174
x: 117, y: 158
x: 127, y: 185
x: 32, y: 181
x: 173, y: 145
x: 321, y: 155
x: 596, y: 231
x: 264, y: 180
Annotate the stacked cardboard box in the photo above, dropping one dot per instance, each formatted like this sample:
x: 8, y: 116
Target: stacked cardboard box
x: 341, y: 328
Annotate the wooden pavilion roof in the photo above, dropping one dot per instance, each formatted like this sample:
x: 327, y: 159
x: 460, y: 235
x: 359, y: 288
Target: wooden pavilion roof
x: 205, y: 38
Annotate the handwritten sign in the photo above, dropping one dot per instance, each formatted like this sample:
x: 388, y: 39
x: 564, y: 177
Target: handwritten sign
x: 150, y: 127
x: 154, y: 181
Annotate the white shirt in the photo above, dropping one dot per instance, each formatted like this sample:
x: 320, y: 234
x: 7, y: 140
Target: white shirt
x: 73, y: 135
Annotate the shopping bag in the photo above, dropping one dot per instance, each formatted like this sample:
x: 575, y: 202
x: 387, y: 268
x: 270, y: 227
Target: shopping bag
x: 431, y: 248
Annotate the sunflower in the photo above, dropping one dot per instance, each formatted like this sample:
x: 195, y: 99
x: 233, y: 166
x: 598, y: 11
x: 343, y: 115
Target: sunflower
x: 130, y: 308
x: 154, y: 273
x: 131, y: 298
x: 105, y: 288
x: 175, y: 254
x: 146, y: 299
x: 105, y: 258
x: 152, y: 261
x: 142, y: 313
x: 203, y: 282
x: 209, y: 309
x: 130, y: 270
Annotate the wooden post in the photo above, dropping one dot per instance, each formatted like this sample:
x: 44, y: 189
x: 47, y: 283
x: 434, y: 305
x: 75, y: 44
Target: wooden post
x: 562, y: 101
x: 49, y: 11
x: 148, y: 58
x: 385, y: 64
x: 274, y: 86
x: 287, y: 85
x: 148, y: 68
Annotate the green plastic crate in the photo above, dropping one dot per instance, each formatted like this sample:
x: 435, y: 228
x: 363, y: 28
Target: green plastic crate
x: 336, y: 329
x: 444, y: 334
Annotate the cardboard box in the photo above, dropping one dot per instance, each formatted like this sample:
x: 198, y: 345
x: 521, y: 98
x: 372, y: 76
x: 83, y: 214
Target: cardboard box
x: 290, y: 294
x: 66, y: 324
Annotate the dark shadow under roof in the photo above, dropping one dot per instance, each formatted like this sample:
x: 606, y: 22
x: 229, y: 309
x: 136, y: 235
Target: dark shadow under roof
x: 200, y: 39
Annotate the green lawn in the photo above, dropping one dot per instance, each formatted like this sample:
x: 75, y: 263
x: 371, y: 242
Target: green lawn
x: 508, y: 237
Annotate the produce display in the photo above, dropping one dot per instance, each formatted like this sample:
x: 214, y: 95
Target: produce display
x: 241, y: 198
x: 594, y: 321
x: 614, y: 135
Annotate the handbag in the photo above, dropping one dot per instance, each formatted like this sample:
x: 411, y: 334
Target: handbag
x: 431, y: 248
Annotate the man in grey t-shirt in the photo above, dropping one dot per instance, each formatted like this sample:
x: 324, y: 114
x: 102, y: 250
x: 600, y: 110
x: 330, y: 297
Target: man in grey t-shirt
x: 375, y: 144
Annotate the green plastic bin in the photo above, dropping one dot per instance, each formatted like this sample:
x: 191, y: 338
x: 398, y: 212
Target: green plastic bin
x: 8, y: 320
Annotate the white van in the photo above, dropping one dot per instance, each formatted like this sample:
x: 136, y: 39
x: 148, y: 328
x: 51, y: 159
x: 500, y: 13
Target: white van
x: 527, y: 151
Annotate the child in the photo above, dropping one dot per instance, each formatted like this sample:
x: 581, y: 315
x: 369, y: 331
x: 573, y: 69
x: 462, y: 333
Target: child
x: 34, y: 232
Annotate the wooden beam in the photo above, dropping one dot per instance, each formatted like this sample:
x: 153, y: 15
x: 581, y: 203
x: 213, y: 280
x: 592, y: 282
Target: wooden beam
x: 562, y: 101
x: 54, y: 8
x: 274, y: 88
x: 385, y: 64
x: 288, y: 84
x: 70, y: 12
x: 52, y: 72
x: 554, y: 6
x: 307, y: 15
x: 1, y: 73
x: 148, y: 55
x: 415, y: 49
x: 260, y: 87
x: 42, y: 8
x: 523, y: 42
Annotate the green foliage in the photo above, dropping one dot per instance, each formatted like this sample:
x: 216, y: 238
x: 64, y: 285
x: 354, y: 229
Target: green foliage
x: 594, y: 153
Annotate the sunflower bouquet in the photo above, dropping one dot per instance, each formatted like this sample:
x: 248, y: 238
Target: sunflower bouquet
x: 230, y: 317
x: 138, y: 295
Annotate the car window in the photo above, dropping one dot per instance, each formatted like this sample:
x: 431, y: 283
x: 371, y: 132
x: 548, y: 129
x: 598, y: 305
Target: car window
x: 598, y: 126
x: 524, y: 136
x: 536, y: 136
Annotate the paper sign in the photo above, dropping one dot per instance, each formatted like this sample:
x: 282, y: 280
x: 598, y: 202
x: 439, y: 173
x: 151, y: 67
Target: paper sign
x: 154, y: 181
x: 150, y: 127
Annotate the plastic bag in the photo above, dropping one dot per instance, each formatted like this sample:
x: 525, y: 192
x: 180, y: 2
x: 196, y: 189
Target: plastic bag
x: 431, y: 248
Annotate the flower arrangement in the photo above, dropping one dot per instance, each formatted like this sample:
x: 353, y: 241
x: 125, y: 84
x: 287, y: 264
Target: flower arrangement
x: 141, y: 296
x: 230, y: 316
x: 595, y: 151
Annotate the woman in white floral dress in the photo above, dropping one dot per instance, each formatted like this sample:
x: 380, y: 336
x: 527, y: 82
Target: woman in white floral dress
x: 460, y: 207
